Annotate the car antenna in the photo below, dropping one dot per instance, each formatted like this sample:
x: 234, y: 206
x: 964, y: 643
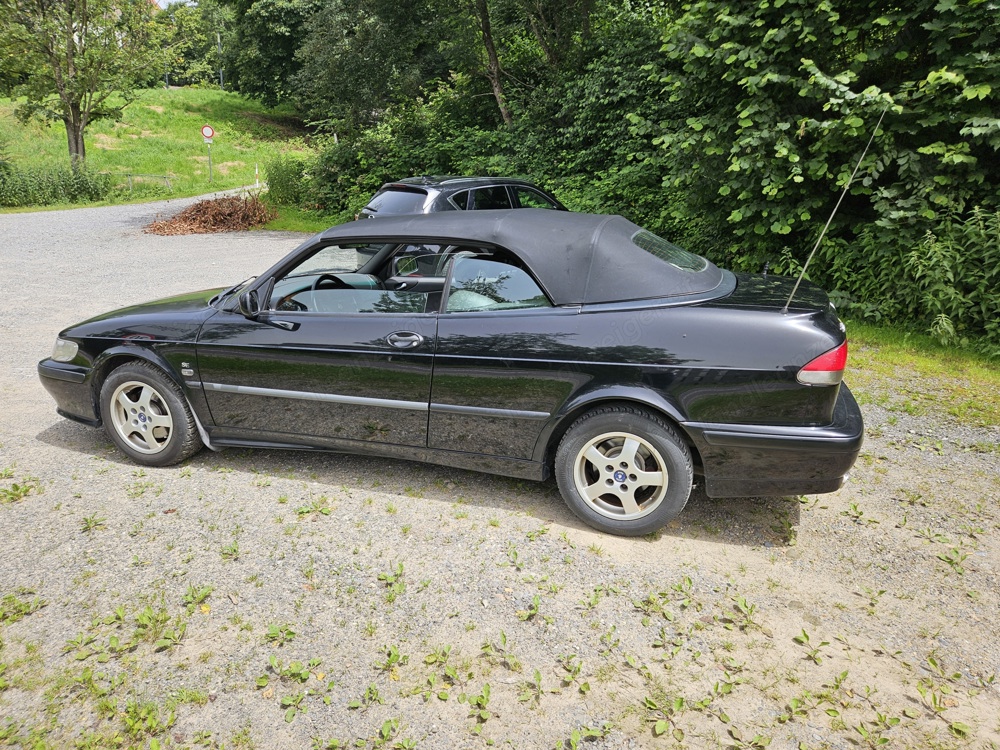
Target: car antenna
x: 840, y: 200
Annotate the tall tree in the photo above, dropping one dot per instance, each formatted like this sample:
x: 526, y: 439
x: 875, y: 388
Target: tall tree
x: 75, y: 61
x: 268, y: 33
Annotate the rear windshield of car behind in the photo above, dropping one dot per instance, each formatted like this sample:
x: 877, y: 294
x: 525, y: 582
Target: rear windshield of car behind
x: 392, y: 202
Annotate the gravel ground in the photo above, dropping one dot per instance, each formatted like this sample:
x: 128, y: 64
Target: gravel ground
x: 293, y: 600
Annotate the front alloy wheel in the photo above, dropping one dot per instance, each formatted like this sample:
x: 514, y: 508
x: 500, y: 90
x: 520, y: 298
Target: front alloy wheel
x: 624, y: 470
x: 146, y: 415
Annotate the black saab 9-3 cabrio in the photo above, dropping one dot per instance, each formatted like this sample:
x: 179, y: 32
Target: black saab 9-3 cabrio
x: 523, y: 342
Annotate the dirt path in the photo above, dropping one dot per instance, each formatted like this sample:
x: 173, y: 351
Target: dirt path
x: 250, y: 599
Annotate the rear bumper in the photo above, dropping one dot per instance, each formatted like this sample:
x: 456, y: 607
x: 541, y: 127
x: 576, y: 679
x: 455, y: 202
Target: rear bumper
x: 755, y: 460
x: 68, y: 384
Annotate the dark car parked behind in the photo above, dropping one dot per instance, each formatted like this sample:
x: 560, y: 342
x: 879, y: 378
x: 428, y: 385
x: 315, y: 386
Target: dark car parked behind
x: 425, y: 195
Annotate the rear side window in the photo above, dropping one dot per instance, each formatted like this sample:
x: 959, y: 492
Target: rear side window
x: 484, y: 199
x: 676, y: 256
x: 461, y: 199
x: 528, y: 198
x: 397, y: 201
x: 487, y: 283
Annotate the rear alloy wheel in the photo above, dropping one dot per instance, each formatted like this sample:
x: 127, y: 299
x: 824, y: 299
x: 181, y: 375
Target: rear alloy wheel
x: 624, y: 470
x: 146, y: 415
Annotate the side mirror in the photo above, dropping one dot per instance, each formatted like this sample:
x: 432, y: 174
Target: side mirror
x: 250, y: 302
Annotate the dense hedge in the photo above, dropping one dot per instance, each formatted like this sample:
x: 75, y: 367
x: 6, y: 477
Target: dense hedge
x: 21, y: 187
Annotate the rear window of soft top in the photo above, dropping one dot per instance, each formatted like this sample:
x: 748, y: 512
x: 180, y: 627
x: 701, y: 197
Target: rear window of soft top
x: 676, y: 256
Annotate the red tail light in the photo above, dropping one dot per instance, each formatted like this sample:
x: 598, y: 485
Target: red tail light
x: 826, y: 369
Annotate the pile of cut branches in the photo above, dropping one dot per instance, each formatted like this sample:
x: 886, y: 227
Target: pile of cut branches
x: 230, y: 214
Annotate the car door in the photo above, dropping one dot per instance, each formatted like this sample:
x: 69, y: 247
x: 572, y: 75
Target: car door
x: 504, y: 359
x: 334, y: 358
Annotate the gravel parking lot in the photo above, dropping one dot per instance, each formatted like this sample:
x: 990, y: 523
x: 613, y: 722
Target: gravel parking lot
x: 293, y: 600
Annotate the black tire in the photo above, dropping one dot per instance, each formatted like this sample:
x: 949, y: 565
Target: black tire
x: 146, y: 415
x: 605, y: 456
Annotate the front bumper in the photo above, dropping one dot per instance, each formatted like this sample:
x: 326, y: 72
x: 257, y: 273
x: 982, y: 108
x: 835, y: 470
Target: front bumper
x: 756, y: 460
x: 69, y: 385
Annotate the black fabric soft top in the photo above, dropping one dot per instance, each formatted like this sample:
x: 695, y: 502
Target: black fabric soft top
x: 577, y: 258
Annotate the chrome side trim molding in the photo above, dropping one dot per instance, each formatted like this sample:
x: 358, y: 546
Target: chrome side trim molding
x: 482, y: 411
x: 332, y: 398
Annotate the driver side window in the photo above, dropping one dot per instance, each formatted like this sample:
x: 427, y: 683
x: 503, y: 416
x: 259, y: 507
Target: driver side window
x: 328, y: 282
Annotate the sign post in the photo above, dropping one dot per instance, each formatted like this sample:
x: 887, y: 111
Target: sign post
x: 208, y: 133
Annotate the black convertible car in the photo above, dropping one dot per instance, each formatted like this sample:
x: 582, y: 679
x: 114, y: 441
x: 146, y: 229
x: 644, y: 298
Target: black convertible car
x: 522, y: 342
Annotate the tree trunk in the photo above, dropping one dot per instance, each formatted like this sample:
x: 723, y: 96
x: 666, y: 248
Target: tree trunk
x: 74, y: 137
x: 493, y: 62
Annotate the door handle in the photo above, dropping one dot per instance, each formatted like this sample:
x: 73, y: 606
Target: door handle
x: 405, y: 339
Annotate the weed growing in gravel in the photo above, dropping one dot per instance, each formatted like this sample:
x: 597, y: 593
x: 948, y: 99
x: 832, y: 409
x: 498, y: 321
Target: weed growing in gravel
x: 231, y: 551
x: 954, y: 559
x: 279, y: 635
x: 317, y: 507
x: 371, y: 697
x: 478, y: 707
x: 812, y: 650
x: 93, y: 523
x: 18, y: 491
x: 172, y: 637
x: 394, y: 583
x: 196, y: 595
x: 13, y: 609
x: 500, y: 653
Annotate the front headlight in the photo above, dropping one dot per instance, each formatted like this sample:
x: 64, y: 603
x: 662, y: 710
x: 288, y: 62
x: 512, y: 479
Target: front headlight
x: 64, y: 350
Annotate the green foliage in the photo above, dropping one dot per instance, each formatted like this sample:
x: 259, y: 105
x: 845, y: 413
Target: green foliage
x: 946, y: 283
x: 48, y: 186
x: 191, y: 37
x: 75, y: 61
x: 286, y: 180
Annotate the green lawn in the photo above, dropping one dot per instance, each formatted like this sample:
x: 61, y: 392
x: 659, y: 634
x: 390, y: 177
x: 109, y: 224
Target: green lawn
x: 160, y: 135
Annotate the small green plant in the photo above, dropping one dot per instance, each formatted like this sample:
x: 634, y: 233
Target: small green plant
x: 573, y: 666
x: 279, y: 635
x: 532, y: 690
x: 663, y: 717
x: 17, y: 492
x: 231, y: 551
x: 525, y: 615
x: 873, y: 733
x: 93, y: 523
x: 13, y: 609
x: 478, y: 707
x: 747, y: 611
x: 812, y: 650
x: 954, y: 558
x: 318, y: 507
x: 171, y: 637
x: 196, y: 595
x: 293, y: 706
x: 394, y: 583
x: 150, y: 623
x: 393, y: 660
x: 757, y: 742
x: 499, y: 652
x: 370, y: 697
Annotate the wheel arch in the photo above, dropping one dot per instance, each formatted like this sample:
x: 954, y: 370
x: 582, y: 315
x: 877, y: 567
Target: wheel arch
x: 572, y: 410
x: 113, y: 358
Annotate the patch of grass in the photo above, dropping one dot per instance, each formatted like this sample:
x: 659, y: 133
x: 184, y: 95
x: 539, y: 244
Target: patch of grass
x: 936, y: 380
x: 159, y: 134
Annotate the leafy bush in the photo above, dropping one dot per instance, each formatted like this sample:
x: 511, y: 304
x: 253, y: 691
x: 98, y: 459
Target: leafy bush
x: 43, y: 187
x: 946, y: 283
x: 286, y: 180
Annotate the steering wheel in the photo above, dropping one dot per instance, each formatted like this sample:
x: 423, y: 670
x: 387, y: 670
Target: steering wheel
x: 336, y: 281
